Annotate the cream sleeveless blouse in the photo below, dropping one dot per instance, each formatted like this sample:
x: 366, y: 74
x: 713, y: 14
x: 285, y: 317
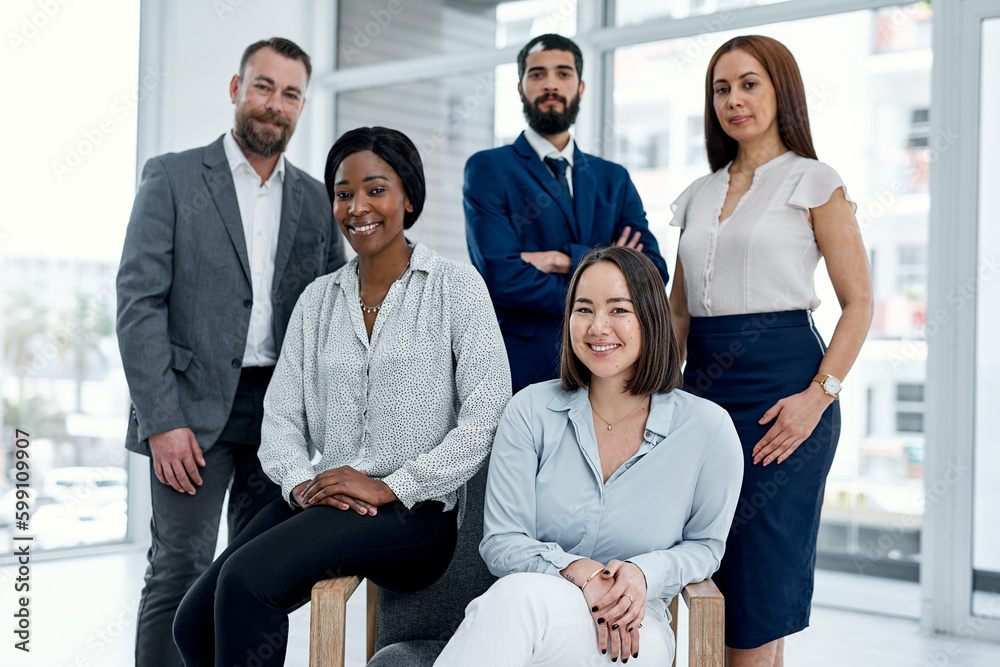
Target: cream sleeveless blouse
x: 761, y: 258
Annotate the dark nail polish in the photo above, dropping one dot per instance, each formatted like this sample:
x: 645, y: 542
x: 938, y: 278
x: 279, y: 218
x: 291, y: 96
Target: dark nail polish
x: 614, y: 659
x: 614, y: 627
x: 635, y: 655
x: 630, y: 629
x: 604, y: 650
x: 607, y: 572
x: 594, y: 608
x: 600, y: 620
x: 624, y: 660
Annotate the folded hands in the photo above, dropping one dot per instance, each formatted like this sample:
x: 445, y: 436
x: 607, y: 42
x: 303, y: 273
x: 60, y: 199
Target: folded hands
x: 617, y: 601
x: 346, y: 489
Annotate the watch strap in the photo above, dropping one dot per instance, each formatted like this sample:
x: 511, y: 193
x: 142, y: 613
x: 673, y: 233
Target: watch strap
x: 821, y: 379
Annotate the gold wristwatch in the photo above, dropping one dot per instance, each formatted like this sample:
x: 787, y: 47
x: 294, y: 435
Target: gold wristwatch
x: 830, y: 384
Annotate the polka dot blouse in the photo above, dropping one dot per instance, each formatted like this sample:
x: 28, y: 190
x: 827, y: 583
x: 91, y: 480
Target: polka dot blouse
x: 417, y: 406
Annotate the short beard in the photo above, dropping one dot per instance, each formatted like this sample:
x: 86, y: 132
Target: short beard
x: 261, y: 141
x: 550, y: 122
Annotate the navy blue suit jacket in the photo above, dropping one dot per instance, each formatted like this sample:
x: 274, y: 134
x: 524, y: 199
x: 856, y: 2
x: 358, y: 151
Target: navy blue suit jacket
x: 514, y: 204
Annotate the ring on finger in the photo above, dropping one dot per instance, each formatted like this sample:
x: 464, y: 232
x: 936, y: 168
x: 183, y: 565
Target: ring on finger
x: 629, y: 598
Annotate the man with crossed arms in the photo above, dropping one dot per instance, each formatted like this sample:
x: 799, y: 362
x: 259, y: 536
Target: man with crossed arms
x: 535, y: 208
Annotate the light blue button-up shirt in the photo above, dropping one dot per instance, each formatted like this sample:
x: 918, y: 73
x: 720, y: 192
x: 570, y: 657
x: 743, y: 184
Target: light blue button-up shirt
x: 667, y: 509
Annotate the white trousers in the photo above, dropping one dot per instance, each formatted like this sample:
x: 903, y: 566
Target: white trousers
x: 543, y: 620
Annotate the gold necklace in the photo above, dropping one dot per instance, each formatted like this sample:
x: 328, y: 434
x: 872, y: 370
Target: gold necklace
x: 610, y: 424
x: 374, y: 309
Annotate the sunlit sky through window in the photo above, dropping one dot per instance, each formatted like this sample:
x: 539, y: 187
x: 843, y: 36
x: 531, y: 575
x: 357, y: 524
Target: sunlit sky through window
x: 70, y: 120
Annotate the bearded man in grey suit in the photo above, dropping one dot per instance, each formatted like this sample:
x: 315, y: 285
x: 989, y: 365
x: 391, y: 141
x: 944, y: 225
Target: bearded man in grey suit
x: 221, y: 242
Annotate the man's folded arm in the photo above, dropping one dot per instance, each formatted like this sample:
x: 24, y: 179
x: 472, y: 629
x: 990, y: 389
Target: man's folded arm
x: 495, y: 248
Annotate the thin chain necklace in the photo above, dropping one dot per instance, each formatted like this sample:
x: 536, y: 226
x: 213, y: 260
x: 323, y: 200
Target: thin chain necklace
x: 610, y: 424
x: 374, y: 309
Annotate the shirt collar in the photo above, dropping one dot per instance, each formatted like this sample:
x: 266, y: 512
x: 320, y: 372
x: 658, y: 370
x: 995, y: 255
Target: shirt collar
x: 421, y: 259
x: 238, y: 161
x: 545, y: 149
x: 661, y: 408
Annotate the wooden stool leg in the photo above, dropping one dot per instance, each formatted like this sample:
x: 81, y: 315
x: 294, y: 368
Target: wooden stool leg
x: 707, y: 644
x: 328, y: 621
x: 372, y: 598
x: 673, y: 627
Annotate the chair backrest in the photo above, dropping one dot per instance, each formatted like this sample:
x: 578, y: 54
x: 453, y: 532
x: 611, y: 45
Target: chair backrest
x: 436, y: 612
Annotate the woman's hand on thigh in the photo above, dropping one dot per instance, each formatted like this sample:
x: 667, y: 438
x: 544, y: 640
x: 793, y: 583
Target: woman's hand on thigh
x: 797, y: 417
x: 339, y: 500
x: 346, y: 481
x: 624, y: 604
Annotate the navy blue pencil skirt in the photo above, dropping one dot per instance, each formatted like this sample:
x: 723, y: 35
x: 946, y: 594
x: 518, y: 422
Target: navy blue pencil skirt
x: 746, y: 363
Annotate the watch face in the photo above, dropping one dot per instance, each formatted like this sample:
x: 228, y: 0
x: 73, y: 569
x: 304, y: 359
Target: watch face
x: 832, y: 385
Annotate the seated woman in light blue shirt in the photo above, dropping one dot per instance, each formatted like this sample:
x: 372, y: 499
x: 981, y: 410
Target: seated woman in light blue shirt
x: 608, y: 491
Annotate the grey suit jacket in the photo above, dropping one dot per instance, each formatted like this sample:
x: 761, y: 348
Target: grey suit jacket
x: 184, y: 291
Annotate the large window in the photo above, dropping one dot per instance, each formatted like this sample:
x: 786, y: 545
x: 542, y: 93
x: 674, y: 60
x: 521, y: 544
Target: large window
x: 386, y: 31
x: 448, y: 120
x: 61, y: 379
x: 986, y: 507
x: 631, y: 12
x: 872, y: 85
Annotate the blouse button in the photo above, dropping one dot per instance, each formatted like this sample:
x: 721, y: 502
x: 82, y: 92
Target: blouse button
x: 648, y: 434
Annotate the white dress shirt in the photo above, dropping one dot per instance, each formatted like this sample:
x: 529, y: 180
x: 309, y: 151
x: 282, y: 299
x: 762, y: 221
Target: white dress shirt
x: 260, y: 211
x: 416, y: 406
x: 667, y: 509
x: 545, y: 149
x: 763, y: 257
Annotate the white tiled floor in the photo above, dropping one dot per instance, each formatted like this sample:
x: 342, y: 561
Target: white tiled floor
x: 83, y: 615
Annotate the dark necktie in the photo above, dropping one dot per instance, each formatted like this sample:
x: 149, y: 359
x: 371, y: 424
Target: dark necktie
x: 558, y: 167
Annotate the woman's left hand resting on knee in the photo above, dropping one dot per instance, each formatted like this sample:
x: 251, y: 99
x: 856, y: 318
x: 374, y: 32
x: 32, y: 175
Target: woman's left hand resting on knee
x: 623, y: 606
x: 344, y: 488
x: 607, y: 596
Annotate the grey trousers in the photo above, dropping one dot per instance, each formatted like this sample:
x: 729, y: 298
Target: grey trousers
x: 184, y: 531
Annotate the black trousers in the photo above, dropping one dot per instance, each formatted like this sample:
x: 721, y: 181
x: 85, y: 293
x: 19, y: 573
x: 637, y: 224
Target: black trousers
x: 269, y: 571
x: 184, y: 529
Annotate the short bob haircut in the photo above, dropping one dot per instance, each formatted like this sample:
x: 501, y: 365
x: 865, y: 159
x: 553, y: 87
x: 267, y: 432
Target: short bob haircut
x: 658, y: 369
x: 549, y: 42
x: 793, y: 117
x: 392, y: 146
